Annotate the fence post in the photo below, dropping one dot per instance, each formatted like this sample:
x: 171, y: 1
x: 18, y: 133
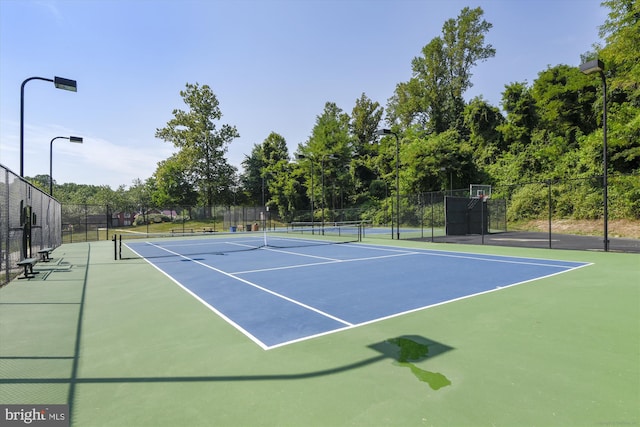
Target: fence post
x: 108, y: 222
x: 550, y: 208
x: 86, y: 223
x: 432, y: 215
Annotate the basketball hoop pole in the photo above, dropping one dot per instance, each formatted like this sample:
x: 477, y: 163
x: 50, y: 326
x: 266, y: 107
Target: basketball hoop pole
x: 482, y: 202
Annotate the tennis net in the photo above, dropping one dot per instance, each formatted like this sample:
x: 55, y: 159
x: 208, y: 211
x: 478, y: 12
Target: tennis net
x: 176, y: 244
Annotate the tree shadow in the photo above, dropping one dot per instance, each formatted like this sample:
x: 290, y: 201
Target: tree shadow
x: 408, y: 350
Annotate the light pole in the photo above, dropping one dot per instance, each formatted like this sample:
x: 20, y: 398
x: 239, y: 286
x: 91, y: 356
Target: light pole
x: 443, y: 169
x: 75, y: 139
x: 597, y: 66
x: 302, y: 156
x: 389, y: 132
x: 331, y: 157
x: 264, y: 213
x: 60, y: 83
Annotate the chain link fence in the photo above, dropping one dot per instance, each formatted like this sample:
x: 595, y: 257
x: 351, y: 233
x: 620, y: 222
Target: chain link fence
x: 561, y: 214
x: 85, y: 223
x: 29, y: 221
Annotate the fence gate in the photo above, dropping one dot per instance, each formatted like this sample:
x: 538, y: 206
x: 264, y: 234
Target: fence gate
x: 466, y: 216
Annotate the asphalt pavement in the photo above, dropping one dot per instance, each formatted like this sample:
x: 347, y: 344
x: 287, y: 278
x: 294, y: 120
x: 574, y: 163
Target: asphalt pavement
x: 544, y: 240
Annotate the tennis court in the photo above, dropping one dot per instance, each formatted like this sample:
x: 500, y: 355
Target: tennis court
x: 352, y: 334
x: 291, y: 288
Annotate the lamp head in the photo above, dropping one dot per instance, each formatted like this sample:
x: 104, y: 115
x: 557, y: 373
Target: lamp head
x: 595, y: 66
x: 66, y: 84
x: 383, y: 132
x: 76, y: 139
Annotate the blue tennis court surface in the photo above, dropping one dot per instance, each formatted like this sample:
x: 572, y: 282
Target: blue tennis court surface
x: 280, y: 296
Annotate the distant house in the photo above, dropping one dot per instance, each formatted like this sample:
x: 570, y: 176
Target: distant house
x: 122, y: 219
x: 170, y: 213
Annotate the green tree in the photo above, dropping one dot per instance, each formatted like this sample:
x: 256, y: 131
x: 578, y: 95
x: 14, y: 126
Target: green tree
x: 621, y: 31
x: 202, y: 143
x: 435, y: 162
x: 330, y: 147
x: 365, y: 121
x: 119, y: 201
x: 482, y: 120
x: 433, y: 98
x: 275, y: 173
x: 251, y: 178
x: 267, y: 176
x: 173, y: 184
x: 464, y: 41
x: 562, y: 104
x: 102, y: 195
x: 80, y: 194
x: 521, y: 119
x: 41, y: 182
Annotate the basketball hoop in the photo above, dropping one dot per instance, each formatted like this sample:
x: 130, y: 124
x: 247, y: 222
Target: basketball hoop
x: 480, y: 191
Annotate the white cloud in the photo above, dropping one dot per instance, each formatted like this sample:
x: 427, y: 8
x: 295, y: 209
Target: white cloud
x: 97, y: 161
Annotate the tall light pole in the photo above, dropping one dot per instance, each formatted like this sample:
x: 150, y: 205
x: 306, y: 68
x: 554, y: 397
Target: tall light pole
x: 264, y: 213
x: 325, y: 156
x: 597, y: 66
x: 60, y: 83
x: 389, y: 132
x: 75, y: 139
x: 302, y: 156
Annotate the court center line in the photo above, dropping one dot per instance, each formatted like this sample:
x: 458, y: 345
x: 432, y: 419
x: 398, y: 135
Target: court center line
x: 299, y: 254
x: 269, y: 291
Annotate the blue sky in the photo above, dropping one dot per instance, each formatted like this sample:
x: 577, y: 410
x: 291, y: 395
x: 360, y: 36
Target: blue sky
x: 273, y: 64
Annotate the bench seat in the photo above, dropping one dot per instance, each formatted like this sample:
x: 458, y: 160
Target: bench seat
x: 28, y: 264
x: 45, y: 254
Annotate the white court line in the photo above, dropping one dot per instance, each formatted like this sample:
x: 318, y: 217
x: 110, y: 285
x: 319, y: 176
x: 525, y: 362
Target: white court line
x: 208, y: 243
x: 269, y: 291
x: 299, y: 254
x: 400, y: 252
x: 348, y: 325
x: 336, y: 261
x: 413, y: 310
x: 505, y: 261
x: 497, y: 258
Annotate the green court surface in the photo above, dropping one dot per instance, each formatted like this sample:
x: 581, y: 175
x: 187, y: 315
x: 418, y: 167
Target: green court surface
x: 123, y: 345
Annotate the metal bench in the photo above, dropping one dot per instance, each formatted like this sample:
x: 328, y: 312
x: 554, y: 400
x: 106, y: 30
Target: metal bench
x: 28, y: 264
x: 45, y: 254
